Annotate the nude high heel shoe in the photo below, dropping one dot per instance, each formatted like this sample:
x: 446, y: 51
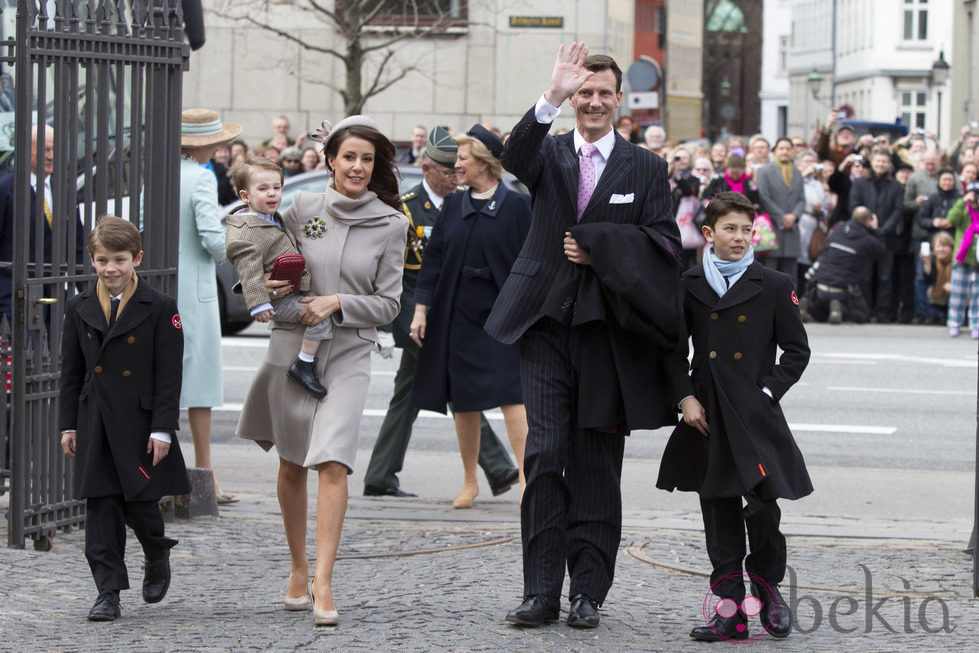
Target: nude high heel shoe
x: 323, y: 617
x: 300, y: 603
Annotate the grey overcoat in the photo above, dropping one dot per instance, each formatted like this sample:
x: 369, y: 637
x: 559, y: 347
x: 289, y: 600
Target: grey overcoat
x: 358, y: 256
x: 777, y: 199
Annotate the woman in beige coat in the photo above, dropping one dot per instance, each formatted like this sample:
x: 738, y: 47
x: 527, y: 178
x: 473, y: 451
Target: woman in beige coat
x: 353, y: 238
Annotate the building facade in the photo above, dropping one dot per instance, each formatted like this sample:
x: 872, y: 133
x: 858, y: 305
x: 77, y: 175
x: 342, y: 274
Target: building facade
x: 775, y: 43
x: 488, y: 67
x: 875, y: 57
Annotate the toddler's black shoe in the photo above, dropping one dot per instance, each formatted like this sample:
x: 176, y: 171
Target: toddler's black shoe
x: 304, y: 374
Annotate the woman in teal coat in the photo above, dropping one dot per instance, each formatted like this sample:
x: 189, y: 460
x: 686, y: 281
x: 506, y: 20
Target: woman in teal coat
x: 201, y: 246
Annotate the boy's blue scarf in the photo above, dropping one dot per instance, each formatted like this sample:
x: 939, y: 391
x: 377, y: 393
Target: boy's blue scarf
x: 715, y: 270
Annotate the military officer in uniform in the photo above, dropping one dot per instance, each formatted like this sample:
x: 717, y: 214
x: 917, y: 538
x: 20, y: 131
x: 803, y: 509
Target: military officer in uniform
x: 422, y: 205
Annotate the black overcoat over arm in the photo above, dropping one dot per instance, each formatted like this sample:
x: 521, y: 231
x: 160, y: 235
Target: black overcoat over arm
x: 626, y: 310
x: 632, y: 189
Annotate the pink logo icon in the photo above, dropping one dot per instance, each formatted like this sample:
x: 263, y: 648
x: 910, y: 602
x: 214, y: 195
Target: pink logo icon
x: 750, y: 607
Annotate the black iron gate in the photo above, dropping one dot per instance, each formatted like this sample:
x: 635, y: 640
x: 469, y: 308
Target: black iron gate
x: 106, y: 76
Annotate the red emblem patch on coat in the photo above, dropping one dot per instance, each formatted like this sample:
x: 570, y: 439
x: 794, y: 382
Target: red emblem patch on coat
x: 795, y: 298
x: 175, y: 320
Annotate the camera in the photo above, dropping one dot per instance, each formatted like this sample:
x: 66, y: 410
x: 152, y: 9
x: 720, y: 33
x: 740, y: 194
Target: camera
x: 818, y: 167
x: 919, y: 132
x: 677, y: 157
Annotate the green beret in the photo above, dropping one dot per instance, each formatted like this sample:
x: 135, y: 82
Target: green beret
x: 441, y: 147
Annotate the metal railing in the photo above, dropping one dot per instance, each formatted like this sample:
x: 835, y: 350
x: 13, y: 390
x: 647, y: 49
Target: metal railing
x: 106, y: 76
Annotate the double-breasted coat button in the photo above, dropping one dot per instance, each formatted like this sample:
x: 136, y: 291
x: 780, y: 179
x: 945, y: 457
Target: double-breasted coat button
x: 713, y: 354
x: 97, y: 369
x: 742, y: 318
x: 714, y: 316
x: 131, y: 339
x: 89, y: 335
x: 737, y: 355
x: 126, y: 372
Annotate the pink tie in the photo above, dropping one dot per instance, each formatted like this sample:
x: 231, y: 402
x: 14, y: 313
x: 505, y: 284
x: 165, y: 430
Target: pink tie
x: 586, y: 177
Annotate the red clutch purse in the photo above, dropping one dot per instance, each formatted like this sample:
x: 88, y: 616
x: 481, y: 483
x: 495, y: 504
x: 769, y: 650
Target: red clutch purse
x: 289, y: 267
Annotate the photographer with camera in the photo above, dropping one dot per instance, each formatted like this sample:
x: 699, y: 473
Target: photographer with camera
x: 836, y: 280
x: 814, y: 217
x: 845, y: 140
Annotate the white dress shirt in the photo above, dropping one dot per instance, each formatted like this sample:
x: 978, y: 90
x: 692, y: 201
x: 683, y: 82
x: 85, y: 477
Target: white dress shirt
x: 545, y: 113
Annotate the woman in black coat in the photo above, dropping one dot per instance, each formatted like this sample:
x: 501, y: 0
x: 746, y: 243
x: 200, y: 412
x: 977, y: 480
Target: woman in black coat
x: 733, y: 179
x: 468, y: 257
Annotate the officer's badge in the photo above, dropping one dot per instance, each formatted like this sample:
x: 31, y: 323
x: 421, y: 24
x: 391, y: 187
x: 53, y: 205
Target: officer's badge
x: 428, y: 206
x: 795, y: 298
x: 175, y: 321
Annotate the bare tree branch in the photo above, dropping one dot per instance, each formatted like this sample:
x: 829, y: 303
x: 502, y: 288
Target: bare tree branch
x: 369, y: 30
x: 376, y: 85
x: 294, y: 39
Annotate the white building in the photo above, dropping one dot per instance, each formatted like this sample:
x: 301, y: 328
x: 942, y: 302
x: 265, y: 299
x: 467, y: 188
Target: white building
x: 776, y: 38
x: 875, y: 56
x: 490, y: 68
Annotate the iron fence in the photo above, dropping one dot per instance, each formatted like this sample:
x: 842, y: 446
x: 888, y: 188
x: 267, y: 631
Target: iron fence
x: 106, y: 77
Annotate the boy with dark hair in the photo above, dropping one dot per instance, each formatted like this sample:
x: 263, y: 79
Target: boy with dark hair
x: 254, y: 240
x: 734, y: 446
x: 122, y: 353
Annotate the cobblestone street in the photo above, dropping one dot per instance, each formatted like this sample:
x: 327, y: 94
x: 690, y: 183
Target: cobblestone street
x: 413, y: 575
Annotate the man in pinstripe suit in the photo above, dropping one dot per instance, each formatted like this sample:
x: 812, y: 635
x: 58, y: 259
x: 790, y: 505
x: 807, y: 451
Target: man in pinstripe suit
x: 571, y: 511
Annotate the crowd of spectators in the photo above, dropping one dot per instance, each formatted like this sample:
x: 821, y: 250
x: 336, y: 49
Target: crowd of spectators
x: 917, y: 265
x: 806, y: 187
x: 294, y: 155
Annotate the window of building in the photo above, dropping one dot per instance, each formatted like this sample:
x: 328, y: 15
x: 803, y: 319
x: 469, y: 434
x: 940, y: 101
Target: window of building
x: 915, y: 20
x: 412, y: 12
x: 784, y: 44
x: 913, y: 109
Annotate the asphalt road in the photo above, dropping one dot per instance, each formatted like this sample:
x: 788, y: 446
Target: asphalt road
x: 884, y: 415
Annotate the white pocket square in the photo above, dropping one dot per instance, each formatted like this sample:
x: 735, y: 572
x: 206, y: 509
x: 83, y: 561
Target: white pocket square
x: 621, y: 199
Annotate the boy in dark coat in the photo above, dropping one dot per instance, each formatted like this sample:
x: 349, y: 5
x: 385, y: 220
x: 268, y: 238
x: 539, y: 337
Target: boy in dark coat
x: 118, y: 413
x: 734, y: 446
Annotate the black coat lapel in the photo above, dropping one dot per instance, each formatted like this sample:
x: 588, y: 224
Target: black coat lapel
x: 700, y: 289
x: 618, y: 166
x: 91, y: 312
x: 567, y: 160
x: 746, y: 287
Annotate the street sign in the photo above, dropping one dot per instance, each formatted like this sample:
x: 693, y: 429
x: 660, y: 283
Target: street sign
x: 648, y: 100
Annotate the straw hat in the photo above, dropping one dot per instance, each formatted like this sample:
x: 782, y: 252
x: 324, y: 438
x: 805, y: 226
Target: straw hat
x: 202, y: 127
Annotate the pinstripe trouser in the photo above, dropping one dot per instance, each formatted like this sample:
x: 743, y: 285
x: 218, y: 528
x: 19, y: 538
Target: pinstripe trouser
x: 965, y: 290
x: 571, y: 511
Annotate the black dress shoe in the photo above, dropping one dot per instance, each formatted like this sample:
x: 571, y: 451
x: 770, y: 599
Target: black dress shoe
x: 535, y: 611
x: 374, y: 491
x: 106, y: 607
x: 304, y: 374
x: 156, y: 579
x: 775, y: 615
x: 583, y: 613
x: 505, y: 482
x: 722, y: 629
